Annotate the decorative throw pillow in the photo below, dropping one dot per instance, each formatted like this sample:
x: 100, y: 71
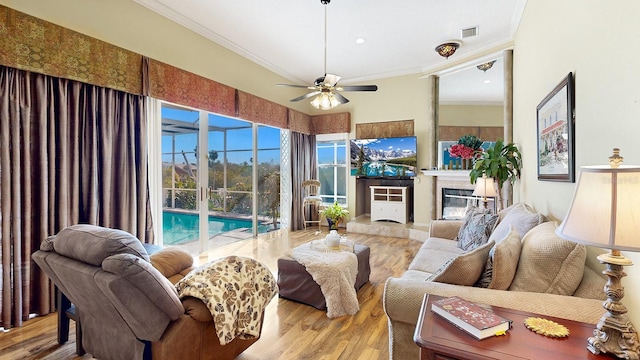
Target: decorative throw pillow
x: 477, y: 226
x: 463, y: 269
x: 591, y: 285
x: 520, y: 217
x: 502, y: 263
x: 502, y: 213
x: 548, y: 263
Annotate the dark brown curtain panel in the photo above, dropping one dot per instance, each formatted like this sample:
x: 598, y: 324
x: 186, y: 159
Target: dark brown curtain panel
x: 303, y: 167
x: 69, y: 153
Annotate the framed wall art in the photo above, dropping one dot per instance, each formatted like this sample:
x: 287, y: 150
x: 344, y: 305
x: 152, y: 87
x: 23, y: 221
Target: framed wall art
x: 556, y: 125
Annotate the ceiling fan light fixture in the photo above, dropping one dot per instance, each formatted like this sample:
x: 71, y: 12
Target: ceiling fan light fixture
x: 448, y: 48
x: 325, y: 92
x: 325, y: 101
x: 486, y: 66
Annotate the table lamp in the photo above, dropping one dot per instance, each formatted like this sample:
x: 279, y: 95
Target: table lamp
x: 605, y: 212
x: 484, y: 188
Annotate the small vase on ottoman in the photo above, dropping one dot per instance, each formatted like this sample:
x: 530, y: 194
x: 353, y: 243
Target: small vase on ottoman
x: 333, y: 239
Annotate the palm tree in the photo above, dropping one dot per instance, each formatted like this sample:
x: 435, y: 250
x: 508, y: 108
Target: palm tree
x: 501, y: 162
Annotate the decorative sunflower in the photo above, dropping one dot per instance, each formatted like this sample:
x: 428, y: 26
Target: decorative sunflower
x: 546, y: 327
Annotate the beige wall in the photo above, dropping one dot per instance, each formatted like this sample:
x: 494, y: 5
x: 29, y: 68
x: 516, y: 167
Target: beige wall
x: 399, y: 98
x: 558, y: 37
x: 471, y: 115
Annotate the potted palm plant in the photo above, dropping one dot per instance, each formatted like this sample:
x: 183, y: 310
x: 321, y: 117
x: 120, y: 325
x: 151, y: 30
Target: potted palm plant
x: 501, y: 162
x: 334, y: 214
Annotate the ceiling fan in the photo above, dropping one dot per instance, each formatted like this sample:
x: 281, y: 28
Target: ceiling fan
x: 325, y: 88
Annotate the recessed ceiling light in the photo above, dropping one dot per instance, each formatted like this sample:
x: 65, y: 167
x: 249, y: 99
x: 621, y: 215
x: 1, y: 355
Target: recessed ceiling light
x: 360, y: 40
x: 487, y: 81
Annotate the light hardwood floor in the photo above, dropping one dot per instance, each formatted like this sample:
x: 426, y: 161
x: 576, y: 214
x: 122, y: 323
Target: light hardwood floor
x: 291, y: 330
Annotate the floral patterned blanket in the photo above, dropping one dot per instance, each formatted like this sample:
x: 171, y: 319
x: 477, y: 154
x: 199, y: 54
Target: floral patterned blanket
x: 236, y: 290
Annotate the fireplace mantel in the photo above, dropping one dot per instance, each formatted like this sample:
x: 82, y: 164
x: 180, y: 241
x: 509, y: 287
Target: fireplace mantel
x: 453, y: 174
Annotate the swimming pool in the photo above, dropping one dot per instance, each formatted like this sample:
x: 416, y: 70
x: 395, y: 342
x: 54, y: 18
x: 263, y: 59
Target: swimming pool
x: 180, y: 228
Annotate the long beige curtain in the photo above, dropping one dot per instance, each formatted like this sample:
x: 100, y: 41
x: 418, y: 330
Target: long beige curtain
x: 69, y: 153
x: 303, y: 167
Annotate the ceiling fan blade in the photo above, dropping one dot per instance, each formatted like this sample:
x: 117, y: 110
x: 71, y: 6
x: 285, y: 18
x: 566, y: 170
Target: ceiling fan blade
x: 298, y: 86
x: 340, y: 98
x: 306, y: 96
x: 331, y: 79
x: 358, y: 88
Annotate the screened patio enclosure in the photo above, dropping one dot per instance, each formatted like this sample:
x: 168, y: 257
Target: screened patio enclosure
x: 220, y: 178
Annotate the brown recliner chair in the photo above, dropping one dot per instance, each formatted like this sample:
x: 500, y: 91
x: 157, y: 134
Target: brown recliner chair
x: 128, y: 308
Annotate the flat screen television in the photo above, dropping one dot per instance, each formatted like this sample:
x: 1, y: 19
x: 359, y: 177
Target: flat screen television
x: 384, y: 157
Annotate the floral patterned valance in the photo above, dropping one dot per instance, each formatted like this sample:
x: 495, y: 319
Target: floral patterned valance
x: 485, y: 133
x: 300, y: 122
x: 385, y: 129
x: 332, y: 123
x: 257, y: 109
x: 169, y: 83
x: 32, y: 44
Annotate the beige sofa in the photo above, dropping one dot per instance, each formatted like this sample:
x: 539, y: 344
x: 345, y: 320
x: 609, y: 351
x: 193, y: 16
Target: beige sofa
x: 532, y: 270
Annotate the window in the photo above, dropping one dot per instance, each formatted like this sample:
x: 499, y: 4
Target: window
x: 268, y: 163
x: 332, y: 168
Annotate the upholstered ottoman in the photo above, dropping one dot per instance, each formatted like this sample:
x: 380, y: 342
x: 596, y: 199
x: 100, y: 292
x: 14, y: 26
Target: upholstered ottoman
x: 295, y: 283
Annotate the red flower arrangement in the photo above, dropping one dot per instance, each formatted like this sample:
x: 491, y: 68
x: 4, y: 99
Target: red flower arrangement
x: 461, y: 151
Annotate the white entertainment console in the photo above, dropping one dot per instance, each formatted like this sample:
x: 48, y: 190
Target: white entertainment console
x: 389, y: 203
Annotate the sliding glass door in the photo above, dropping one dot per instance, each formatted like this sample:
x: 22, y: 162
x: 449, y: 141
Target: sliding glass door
x: 220, y: 178
x: 181, y: 205
x: 229, y: 184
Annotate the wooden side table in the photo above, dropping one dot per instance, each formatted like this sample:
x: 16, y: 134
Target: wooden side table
x: 438, y: 339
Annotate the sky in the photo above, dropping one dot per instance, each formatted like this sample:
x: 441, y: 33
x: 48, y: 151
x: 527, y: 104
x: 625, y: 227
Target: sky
x: 399, y: 143
x: 268, y: 137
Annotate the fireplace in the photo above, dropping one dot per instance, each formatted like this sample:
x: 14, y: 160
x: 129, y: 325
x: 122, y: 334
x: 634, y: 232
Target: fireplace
x: 455, y: 202
x: 456, y: 181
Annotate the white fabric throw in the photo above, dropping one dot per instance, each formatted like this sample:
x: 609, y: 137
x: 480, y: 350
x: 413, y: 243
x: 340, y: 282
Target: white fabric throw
x: 335, y: 272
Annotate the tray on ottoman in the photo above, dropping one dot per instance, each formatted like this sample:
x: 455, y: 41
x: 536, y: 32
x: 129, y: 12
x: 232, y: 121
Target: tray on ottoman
x: 295, y: 283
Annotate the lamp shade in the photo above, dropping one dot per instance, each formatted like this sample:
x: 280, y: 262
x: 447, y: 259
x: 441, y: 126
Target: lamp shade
x: 485, y: 188
x: 605, y: 210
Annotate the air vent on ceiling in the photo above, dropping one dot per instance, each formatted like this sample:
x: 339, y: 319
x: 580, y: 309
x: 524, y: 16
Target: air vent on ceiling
x: 472, y: 31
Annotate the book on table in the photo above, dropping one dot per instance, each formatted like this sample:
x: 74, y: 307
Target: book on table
x: 476, y: 320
